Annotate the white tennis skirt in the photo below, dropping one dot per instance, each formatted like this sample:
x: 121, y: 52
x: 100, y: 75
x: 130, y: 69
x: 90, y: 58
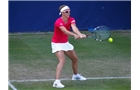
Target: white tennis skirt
x: 61, y: 46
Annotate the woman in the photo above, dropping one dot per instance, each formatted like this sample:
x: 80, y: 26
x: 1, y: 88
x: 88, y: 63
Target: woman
x: 61, y: 45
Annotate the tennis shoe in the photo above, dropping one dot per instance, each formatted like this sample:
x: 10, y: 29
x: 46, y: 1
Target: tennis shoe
x: 58, y: 84
x: 78, y: 77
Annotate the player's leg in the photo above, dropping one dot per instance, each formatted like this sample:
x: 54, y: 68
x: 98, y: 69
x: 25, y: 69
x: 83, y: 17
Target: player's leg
x: 72, y: 55
x: 61, y: 57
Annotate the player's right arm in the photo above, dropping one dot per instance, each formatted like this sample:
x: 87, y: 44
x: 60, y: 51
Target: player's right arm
x: 64, y: 30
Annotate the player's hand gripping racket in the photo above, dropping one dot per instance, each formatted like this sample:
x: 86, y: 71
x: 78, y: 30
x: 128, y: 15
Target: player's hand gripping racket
x: 100, y: 33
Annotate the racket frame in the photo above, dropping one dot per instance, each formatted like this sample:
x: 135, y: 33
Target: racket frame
x: 94, y: 31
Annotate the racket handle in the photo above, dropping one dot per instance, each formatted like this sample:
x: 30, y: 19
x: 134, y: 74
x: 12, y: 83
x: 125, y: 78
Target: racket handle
x: 87, y: 35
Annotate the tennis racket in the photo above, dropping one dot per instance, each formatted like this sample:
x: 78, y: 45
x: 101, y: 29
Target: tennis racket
x: 100, y: 33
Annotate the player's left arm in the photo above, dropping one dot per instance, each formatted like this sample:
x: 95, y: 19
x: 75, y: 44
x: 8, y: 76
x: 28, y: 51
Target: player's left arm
x: 76, y: 30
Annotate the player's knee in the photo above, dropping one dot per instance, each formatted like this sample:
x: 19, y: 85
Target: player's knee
x: 62, y: 61
x: 75, y: 60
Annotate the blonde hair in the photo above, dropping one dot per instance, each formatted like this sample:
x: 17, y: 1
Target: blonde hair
x: 61, y: 7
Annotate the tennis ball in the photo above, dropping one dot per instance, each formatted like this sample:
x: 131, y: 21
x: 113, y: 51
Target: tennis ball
x: 110, y: 39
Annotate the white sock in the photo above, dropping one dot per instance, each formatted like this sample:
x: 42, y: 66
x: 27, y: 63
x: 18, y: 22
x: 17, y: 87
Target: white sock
x: 57, y: 80
x: 76, y: 75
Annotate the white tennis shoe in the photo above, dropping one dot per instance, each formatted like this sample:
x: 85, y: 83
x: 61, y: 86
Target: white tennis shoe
x: 78, y: 77
x: 58, y: 84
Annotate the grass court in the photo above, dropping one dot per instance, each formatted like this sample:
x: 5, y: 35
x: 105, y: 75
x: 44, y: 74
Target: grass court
x: 32, y: 65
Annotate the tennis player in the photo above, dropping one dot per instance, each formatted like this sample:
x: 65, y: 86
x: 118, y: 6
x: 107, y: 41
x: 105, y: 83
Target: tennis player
x: 61, y: 46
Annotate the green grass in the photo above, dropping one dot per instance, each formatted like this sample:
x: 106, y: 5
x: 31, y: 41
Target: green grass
x: 30, y: 57
x: 118, y: 84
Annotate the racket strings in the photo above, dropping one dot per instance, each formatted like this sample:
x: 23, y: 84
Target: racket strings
x: 101, y: 33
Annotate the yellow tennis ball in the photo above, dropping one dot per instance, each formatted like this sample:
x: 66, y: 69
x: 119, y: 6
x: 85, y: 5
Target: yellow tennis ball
x: 110, y: 39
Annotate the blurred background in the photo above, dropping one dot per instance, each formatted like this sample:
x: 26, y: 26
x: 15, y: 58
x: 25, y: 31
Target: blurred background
x: 39, y: 16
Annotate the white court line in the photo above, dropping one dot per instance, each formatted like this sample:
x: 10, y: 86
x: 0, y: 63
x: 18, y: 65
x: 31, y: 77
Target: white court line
x: 11, y: 86
x: 41, y: 80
